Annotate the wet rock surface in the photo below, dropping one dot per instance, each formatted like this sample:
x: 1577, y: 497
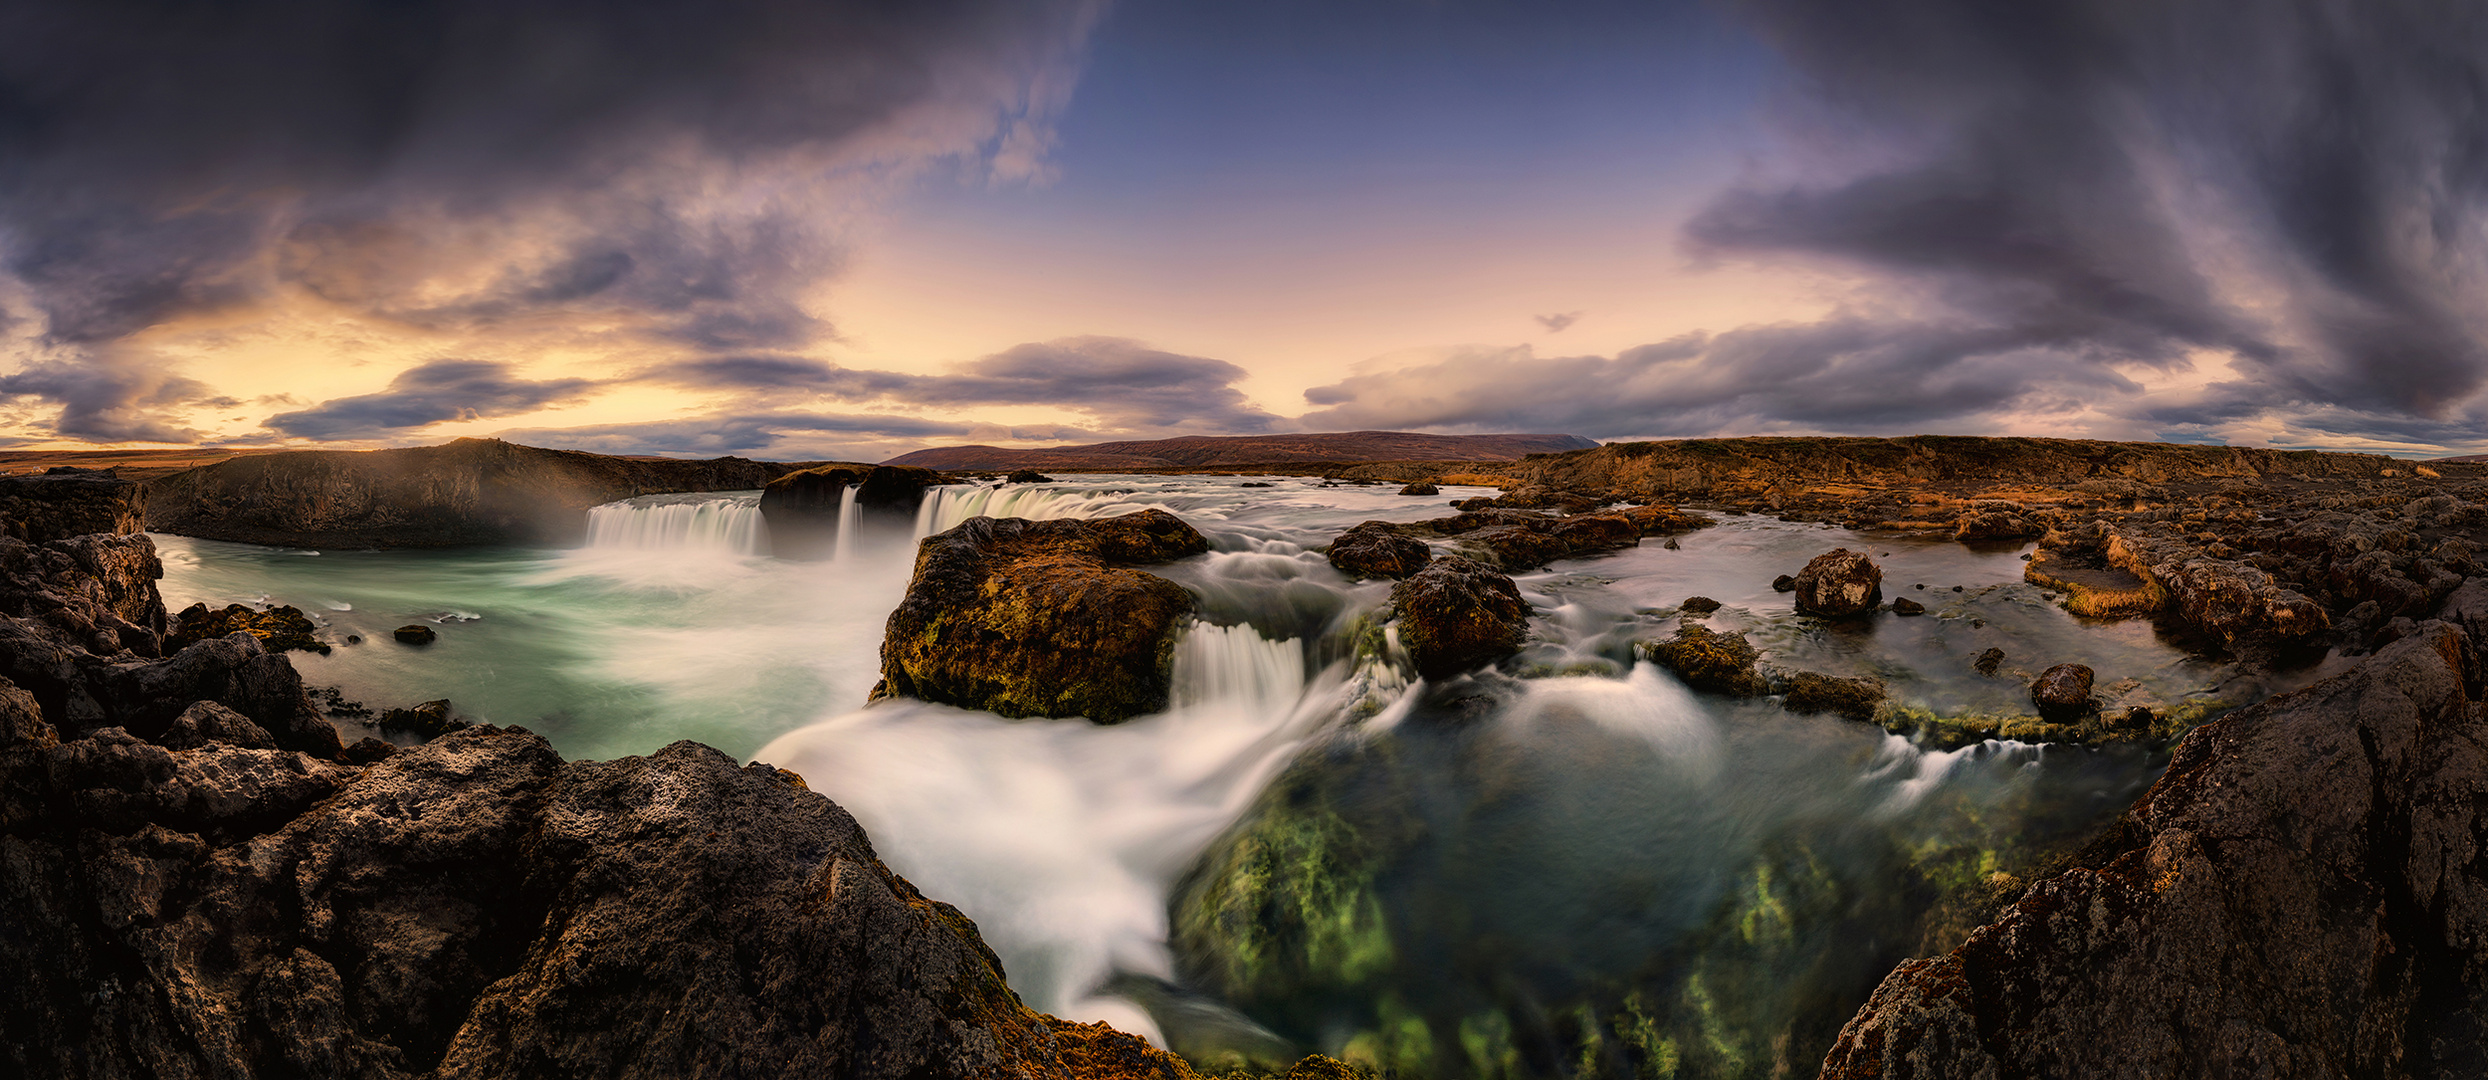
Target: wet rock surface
x: 1850, y: 698
x: 1378, y: 549
x: 1455, y: 616
x: 1042, y: 618
x: 2063, y: 692
x: 1708, y: 659
x: 2302, y: 893
x: 1838, y: 584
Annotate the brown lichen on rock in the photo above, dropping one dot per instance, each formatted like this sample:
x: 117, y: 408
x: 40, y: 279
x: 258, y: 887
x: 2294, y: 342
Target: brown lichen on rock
x: 279, y: 628
x: 1455, y: 616
x: 1042, y: 618
x: 1839, y: 583
x: 1378, y: 549
x: 1708, y: 659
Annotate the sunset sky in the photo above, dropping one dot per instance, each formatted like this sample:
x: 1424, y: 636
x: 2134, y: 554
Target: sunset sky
x: 849, y: 230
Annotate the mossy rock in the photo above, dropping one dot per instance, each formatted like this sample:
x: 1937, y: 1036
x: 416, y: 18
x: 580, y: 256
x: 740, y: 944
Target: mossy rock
x: 1707, y: 659
x: 1854, y: 699
x: 278, y: 628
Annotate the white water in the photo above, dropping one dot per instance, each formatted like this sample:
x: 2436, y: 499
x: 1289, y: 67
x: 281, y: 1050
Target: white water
x: 850, y: 522
x: 730, y: 524
x: 1061, y: 838
x: 946, y: 508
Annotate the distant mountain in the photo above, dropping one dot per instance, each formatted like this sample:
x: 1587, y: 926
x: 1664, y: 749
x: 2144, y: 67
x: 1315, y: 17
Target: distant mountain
x: 2467, y: 459
x: 1208, y: 451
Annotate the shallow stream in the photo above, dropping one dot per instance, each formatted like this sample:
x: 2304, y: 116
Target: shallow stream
x: 1577, y: 867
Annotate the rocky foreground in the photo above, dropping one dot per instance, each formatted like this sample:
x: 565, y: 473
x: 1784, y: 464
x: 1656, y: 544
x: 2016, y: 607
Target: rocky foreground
x: 200, y: 882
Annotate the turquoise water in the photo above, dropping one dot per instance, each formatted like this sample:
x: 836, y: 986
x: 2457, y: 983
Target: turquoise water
x: 1575, y: 866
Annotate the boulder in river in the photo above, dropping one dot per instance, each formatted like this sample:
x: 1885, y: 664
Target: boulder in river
x: 1784, y: 583
x: 1378, y: 549
x: 1907, y: 606
x: 2063, y: 692
x: 1698, y: 605
x: 1455, y: 615
x: 1854, y: 699
x: 415, y: 634
x: 1042, y: 618
x: 1839, y: 583
x: 1421, y: 487
x: 1708, y: 659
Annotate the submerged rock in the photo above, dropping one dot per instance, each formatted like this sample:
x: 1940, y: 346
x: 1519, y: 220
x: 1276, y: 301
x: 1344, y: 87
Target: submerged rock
x: 1378, y: 549
x: 1698, y: 605
x: 1988, y: 661
x: 1839, y: 583
x: 2300, y: 894
x: 1455, y: 616
x: 415, y: 634
x: 1708, y: 659
x: 1042, y: 618
x: 1855, y: 699
x: 1907, y: 606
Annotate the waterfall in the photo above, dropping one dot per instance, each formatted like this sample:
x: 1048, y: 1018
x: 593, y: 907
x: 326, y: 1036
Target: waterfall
x: 728, y: 524
x: 850, y: 518
x: 1235, y: 664
x: 944, y: 508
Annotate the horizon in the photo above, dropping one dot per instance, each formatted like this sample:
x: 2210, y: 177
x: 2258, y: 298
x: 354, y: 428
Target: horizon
x: 807, y: 232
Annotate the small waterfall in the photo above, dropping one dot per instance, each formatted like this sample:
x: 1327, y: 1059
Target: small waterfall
x: 1235, y: 664
x: 944, y: 508
x: 728, y: 524
x: 850, y: 519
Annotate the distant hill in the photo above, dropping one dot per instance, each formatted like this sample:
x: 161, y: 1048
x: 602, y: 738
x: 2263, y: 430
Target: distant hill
x: 1208, y: 451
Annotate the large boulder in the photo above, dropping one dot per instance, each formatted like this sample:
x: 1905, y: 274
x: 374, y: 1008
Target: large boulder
x: 1042, y: 618
x: 1455, y: 615
x: 802, y: 507
x: 480, y: 908
x: 1378, y: 549
x: 67, y: 501
x: 2301, y: 893
x: 1839, y: 583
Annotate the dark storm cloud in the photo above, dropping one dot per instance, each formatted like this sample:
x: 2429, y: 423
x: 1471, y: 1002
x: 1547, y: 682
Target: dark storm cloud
x: 462, y: 163
x: 2298, y: 184
x: 427, y: 394
x: 1126, y: 385
x: 1841, y: 374
x: 782, y: 436
x: 109, y: 399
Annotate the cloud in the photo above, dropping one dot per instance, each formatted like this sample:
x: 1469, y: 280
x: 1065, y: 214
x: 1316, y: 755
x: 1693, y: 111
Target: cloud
x: 1559, y: 322
x: 111, y: 399
x: 785, y: 436
x: 2294, y: 186
x: 1125, y: 385
x: 427, y: 394
x: 675, y: 173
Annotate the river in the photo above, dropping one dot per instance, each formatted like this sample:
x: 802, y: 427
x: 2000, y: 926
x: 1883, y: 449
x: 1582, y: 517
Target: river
x: 1575, y: 866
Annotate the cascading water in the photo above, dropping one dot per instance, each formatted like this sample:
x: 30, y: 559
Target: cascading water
x: 729, y: 524
x: 850, y: 523
x: 1575, y: 866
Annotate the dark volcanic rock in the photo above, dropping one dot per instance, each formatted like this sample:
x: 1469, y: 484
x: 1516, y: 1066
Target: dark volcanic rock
x: 1378, y: 549
x: 2062, y: 692
x: 279, y: 628
x: 1698, y: 605
x: 1855, y: 699
x: 1420, y: 488
x: 470, y: 491
x: 1707, y: 659
x: 415, y: 634
x: 2302, y: 893
x: 1041, y: 618
x: 207, y: 722
x: 1456, y: 616
x: 1907, y: 606
x: 1783, y: 583
x: 1839, y: 583
x: 802, y: 507
x: 67, y: 501
x: 96, y: 593
x: 479, y: 908
x: 429, y: 720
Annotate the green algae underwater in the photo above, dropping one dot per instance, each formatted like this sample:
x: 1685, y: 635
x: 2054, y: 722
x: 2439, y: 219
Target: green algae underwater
x: 1570, y: 866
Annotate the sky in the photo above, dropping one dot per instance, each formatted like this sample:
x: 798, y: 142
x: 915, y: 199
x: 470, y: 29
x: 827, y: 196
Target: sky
x: 817, y: 229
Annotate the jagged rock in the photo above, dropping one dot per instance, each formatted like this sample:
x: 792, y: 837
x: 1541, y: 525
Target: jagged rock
x: 66, y: 501
x: 429, y: 720
x: 1698, y: 605
x: 479, y: 908
x: 415, y: 634
x: 1989, y: 661
x: 1907, y: 606
x: 95, y: 593
x: 1839, y: 583
x: 2302, y: 893
x: 21, y: 719
x: 802, y: 507
x: 1707, y: 659
x: 1032, y: 476
x: 369, y: 751
x: 1378, y: 549
x: 80, y: 693
x: 467, y: 491
x: 279, y: 628
x: 1855, y: 699
x: 206, y: 722
x: 1042, y: 618
x: 2063, y: 692
x: 1420, y: 488
x: 1455, y: 615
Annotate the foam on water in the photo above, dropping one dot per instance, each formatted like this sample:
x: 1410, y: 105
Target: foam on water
x: 729, y: 524
x: 946, y: 508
